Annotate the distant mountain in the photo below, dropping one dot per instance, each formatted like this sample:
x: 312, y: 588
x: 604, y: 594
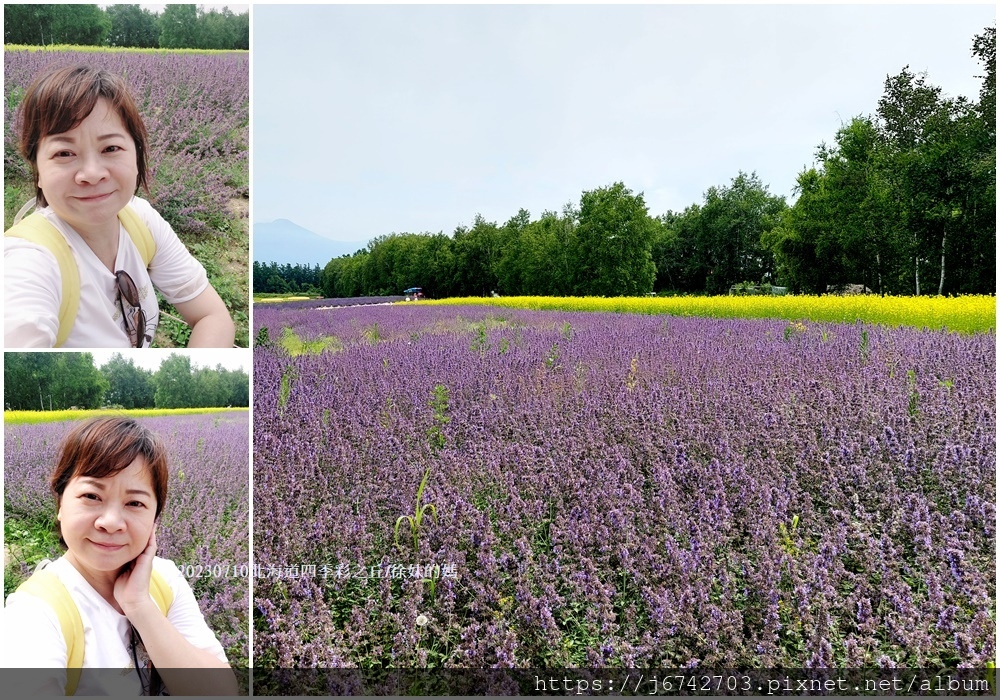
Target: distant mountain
x: 283, y: 241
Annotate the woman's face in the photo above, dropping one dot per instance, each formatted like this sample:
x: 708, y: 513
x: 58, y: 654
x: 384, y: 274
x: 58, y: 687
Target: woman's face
x: 88, y: 174
x: 106, y: 523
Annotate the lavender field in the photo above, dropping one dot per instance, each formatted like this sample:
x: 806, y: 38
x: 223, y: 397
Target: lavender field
x: 204, y: 527
x: 473, y: 487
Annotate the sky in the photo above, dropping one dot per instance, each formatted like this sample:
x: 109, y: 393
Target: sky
x: 151, y: 358
x: 369, y: 120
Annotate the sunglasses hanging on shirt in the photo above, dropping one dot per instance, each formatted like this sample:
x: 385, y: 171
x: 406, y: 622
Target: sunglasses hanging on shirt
x: 135, y: 318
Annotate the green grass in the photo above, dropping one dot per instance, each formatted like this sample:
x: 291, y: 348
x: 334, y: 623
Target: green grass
x: 226, y: 257
x: 294, y: 345
x: 32, y: 417
x: 15, y: 193
x: 26, y: 542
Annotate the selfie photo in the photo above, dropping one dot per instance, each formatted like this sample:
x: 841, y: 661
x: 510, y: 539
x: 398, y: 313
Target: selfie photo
x: 126, y: 195
x: 127, y: 524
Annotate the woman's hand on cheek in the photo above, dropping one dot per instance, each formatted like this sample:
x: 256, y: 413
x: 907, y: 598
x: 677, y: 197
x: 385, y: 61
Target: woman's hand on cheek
x: 132, y: 585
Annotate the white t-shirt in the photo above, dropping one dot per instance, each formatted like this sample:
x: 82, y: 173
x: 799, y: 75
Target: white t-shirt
x: 33, y: 285
x: 34, y: 639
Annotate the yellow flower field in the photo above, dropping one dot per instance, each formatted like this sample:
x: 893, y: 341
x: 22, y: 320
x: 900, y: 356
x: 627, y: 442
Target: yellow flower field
x: 28, y: 417
x: 57, y: 48
x: 967, y: 314
x: 277, y: 299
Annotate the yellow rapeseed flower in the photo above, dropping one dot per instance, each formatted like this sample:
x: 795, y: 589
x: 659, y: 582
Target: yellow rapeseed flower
x: 973, y: 313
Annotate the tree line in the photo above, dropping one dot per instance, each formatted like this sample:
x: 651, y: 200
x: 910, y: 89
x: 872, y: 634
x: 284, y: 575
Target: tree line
x: 178, y: 27
x: 274, y: 278
x: 902, y: 201
x: 37, y: 381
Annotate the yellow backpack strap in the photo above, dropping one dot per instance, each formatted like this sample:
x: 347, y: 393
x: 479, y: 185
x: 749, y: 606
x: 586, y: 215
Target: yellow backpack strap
x: 161, y: 591
x: 37, y: 229
x: 139, y: 233
x: 47, y: 586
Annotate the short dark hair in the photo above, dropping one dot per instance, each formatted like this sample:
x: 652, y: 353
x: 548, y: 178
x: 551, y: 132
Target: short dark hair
x: 102, y: 447
x: 60, y: 98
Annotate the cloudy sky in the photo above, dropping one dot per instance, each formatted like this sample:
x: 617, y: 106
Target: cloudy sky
x: 376, y: 119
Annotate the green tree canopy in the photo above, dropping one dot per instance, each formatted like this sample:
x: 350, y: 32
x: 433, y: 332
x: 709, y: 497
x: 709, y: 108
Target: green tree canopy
x: 36, y: 381
x: 133, y: 25
x: 179, y: 27
x: 174, y: 383
x: 42, y: 25
x: 726, y: 248
x: 128, y: 386
x: 614, y: 241
x: 984, y: 48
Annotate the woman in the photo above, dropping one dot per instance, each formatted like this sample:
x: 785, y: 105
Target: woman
x: 80, y: 130
x: 110, y: 485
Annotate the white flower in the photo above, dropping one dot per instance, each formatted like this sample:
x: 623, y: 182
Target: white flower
x: 422, y: 620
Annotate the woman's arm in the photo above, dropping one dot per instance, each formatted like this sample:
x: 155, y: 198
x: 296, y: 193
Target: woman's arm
x: 32, y: 294
x: 211, y: 324
x: 171, y: 653
x: 183, y: 282
x: 184, y: 668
